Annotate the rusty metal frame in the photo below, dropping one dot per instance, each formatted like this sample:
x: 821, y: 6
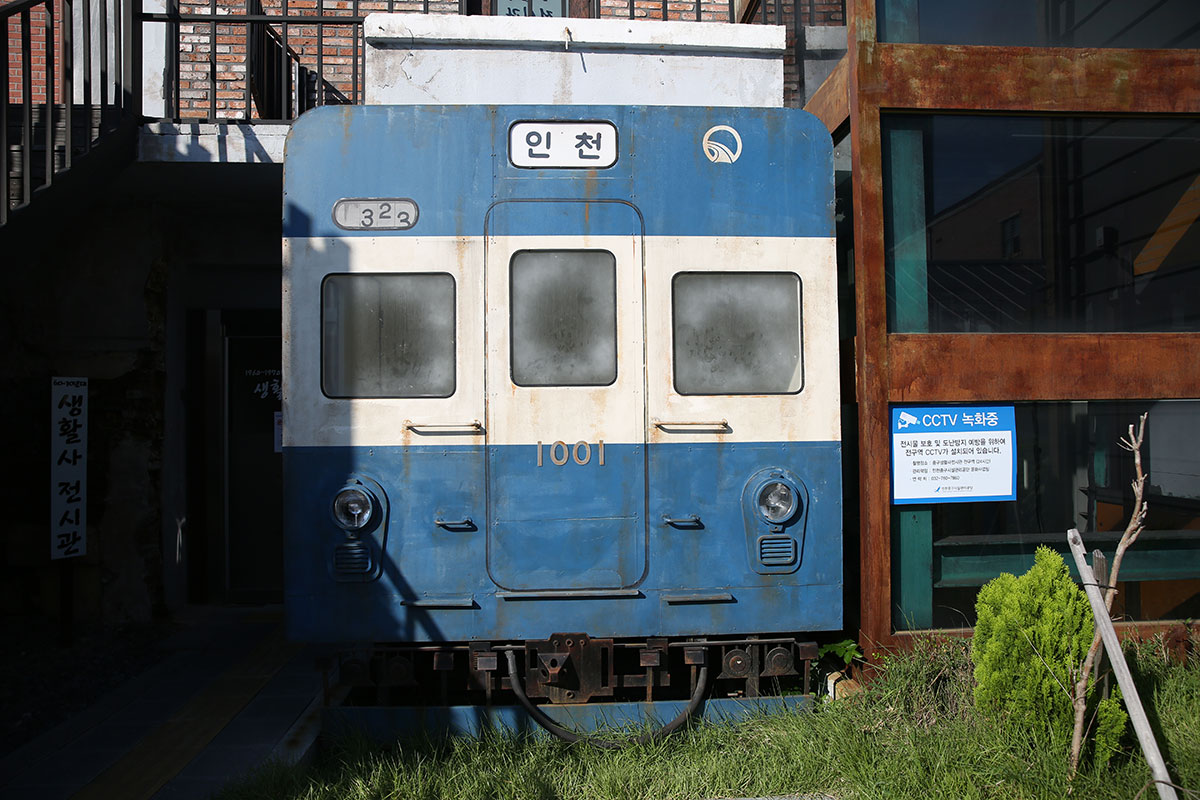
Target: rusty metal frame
x: 830, y: 103
x: 893, y: 368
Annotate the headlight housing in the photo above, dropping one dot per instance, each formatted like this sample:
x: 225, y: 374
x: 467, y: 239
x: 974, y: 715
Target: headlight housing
x: 777, y: 502
x: 353, y: 508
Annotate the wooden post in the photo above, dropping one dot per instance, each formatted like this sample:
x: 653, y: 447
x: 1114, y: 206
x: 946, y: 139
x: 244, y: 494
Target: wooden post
x: 1137, y: 714
x: 1100, y: 568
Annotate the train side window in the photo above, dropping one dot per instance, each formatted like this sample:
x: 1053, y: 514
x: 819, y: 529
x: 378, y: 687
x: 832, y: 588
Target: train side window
x: 564, y: 317
x: 388, y: 335
x: 737, y: 333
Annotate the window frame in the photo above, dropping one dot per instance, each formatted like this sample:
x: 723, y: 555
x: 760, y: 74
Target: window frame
x: 512, y: 338
x: 799, y: 339
x: 453, y: 329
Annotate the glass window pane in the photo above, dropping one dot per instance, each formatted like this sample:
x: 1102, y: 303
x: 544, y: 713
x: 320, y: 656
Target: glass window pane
x: 388, y: 335
x: 1041, y: 225
x: 737, y: 333
x: 1042, y: 23
x: 1071, y: 472
x: 564, y: 318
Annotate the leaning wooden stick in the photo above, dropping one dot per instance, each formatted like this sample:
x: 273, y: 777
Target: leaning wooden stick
x: 1137, y: 714
x: 1137, y: 521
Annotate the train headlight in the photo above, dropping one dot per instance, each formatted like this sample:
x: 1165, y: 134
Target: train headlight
x: 777, y: 502
x: 353, y: 508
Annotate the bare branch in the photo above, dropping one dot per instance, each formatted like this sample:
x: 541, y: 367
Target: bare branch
x: 1137, y: 522
x: 1079, y: 703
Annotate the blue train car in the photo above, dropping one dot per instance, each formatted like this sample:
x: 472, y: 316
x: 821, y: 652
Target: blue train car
x: 561, y: 398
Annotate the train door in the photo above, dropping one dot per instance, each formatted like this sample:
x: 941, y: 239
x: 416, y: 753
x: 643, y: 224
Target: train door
x: 565, y: 337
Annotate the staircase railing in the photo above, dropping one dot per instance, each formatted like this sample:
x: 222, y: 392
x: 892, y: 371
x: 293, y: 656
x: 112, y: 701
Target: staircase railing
x: 271, y: 60
x: 74, y: 67
x: 71, y: 82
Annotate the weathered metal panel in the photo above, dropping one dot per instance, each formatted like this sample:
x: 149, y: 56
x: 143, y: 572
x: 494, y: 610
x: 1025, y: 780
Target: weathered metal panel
x: 435, y: 583
x: 1075, y: 366
x: 417, y: 58
x: 459, y: 155
x: 1047, y: 79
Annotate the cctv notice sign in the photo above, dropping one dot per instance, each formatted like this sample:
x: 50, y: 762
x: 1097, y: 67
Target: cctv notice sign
x: 953, y: 454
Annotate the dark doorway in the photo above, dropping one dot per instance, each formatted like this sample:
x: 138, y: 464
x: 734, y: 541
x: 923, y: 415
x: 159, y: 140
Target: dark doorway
x: 253, y: 464
x: 235, y: 467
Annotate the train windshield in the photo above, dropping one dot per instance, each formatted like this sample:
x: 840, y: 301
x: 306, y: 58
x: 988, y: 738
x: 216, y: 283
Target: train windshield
x: 737, y: 333
x: 388, y: 335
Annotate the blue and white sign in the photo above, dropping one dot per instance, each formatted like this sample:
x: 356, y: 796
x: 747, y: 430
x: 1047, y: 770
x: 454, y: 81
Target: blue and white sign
x: 953, y: 454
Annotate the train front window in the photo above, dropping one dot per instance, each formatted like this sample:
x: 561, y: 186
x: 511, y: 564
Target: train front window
x: 564, y: 317
x: 387, y: 335
x: 737, y: 333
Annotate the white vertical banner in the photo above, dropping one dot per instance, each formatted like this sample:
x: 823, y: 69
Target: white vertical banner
x: 68, y: 467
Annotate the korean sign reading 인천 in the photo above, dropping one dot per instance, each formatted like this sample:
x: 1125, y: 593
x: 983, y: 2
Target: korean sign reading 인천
x: 953, y: 454
x: 563, y: 145
x: 68, y: 467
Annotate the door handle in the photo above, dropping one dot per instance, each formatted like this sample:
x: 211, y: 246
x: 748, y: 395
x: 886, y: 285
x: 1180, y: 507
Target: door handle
x: 666, y: 425
x: 443, y: 427
x: 690, y: 521
x: 465, y: 524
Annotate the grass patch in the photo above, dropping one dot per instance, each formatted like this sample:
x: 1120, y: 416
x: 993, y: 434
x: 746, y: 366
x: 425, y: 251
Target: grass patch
x: 914, y: 732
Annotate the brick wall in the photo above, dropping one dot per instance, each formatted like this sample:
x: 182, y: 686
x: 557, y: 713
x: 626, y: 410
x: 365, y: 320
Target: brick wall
x: 333, y: 79
x: 37, y: 61
x: 213, y: 65
x: 38, y: 53
x: 329, y: 48
x: 715, y: 11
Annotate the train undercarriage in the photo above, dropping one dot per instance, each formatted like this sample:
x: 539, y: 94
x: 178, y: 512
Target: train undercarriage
x: 570, y: 669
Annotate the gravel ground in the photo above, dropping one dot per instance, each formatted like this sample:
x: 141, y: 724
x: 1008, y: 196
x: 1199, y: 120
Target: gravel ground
x: 43, y: 682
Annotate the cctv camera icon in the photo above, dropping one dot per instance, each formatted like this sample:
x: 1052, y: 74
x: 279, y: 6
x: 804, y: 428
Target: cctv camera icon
x: 906, y: 419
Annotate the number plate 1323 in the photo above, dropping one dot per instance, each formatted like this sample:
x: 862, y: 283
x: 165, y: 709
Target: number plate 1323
x: 375, y: 213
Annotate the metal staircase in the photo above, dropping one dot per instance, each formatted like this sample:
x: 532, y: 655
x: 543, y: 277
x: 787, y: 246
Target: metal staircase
x: 71, y: 98
x: 68, y: 95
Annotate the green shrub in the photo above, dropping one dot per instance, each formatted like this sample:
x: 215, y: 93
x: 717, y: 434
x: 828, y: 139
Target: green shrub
x: 1111, y: 720
x: 1030, y: 640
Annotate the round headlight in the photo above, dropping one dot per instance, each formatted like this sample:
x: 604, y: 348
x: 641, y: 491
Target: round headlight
x: 353, y: 508
x: 776, y: 502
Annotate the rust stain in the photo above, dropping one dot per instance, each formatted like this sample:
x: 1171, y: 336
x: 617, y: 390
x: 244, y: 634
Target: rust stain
x: 868, y: 86
x: 1030, y: 78
x: 1042, y: 367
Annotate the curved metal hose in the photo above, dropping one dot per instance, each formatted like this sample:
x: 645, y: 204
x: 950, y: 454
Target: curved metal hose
x: 553, y: 727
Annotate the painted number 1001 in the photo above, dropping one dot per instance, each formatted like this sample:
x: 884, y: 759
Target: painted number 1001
x: 561, y: 452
